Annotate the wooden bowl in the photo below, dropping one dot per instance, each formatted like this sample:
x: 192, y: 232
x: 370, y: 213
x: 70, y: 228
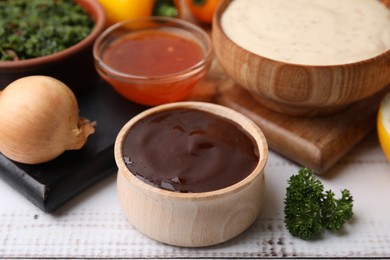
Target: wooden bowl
x: 74, y: 66
x: 303, y: 90
x: 192, y: 219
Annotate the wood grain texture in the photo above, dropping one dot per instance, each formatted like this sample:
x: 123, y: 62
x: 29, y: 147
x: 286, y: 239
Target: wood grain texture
x: 191, y: 222
x: 299, y: 89
x: 192, y: 219
x: 314, y: 142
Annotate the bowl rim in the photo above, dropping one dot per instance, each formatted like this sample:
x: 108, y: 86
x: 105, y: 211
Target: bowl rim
x: 217, y: 24
x: 99, y: 17
x: 225, y: 112
x: 166, y: 77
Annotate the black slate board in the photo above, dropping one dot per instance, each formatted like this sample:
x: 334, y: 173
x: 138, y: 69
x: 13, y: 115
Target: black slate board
x: 51, y: 184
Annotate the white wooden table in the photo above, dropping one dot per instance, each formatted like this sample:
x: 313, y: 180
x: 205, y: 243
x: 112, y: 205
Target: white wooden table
x: 93, y: 226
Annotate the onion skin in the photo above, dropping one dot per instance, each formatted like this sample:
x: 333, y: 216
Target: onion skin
x: 39, y: 118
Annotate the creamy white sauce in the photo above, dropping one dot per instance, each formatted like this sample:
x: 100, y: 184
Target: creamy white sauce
x: 311, y: 32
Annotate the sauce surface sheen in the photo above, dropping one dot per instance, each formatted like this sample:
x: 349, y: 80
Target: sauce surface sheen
x: 188, y: 150
x: 152, y: 53
x: 310, y: 32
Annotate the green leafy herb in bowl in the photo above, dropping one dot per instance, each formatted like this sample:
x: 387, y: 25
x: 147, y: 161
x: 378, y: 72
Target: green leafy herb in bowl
x: 73, y: 65
x: 36, y: 28
x: 309, y: 209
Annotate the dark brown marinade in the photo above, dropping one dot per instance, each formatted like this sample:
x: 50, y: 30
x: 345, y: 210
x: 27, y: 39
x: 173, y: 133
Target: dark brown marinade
x: 189, y: 150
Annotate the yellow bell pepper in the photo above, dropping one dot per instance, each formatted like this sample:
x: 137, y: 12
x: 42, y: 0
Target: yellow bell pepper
x: 121, y: 10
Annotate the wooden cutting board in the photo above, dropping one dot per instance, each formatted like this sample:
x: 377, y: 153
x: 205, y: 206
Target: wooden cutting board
x: 317, y: 142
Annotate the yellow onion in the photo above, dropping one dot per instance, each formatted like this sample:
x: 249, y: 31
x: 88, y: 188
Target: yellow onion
x: 39, y: 117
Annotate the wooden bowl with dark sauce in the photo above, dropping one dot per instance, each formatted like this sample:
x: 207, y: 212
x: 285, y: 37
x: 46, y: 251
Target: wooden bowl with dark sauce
x: 191, y: 173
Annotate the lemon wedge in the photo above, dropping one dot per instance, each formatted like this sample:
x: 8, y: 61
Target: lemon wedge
x: 383, y: 125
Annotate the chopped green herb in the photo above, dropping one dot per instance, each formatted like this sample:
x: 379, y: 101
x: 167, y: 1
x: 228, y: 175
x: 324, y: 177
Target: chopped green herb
x: 35, y: 28
x: 309, y: 210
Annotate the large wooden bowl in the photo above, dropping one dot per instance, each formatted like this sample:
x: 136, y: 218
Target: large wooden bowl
x: 299, y: 89
x: 192, y: 219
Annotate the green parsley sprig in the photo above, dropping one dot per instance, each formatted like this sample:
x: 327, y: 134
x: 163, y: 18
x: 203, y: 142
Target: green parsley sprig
x: 309, y: 210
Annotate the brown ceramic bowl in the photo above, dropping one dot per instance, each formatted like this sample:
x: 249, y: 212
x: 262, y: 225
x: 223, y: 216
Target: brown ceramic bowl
x: 304, y: 90
x: 74, y: 65
x: 199, y: 218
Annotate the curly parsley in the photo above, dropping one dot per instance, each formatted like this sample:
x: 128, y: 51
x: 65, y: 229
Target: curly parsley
x: 309, y: 210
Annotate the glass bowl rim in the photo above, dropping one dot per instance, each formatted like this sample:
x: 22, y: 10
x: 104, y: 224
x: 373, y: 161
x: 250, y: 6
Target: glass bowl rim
x: 185, y: 25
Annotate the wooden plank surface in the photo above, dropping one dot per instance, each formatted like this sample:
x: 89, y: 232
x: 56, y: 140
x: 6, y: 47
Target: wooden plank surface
x: 93, y: 226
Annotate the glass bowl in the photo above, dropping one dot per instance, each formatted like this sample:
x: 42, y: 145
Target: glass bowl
x: 153, y: 60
